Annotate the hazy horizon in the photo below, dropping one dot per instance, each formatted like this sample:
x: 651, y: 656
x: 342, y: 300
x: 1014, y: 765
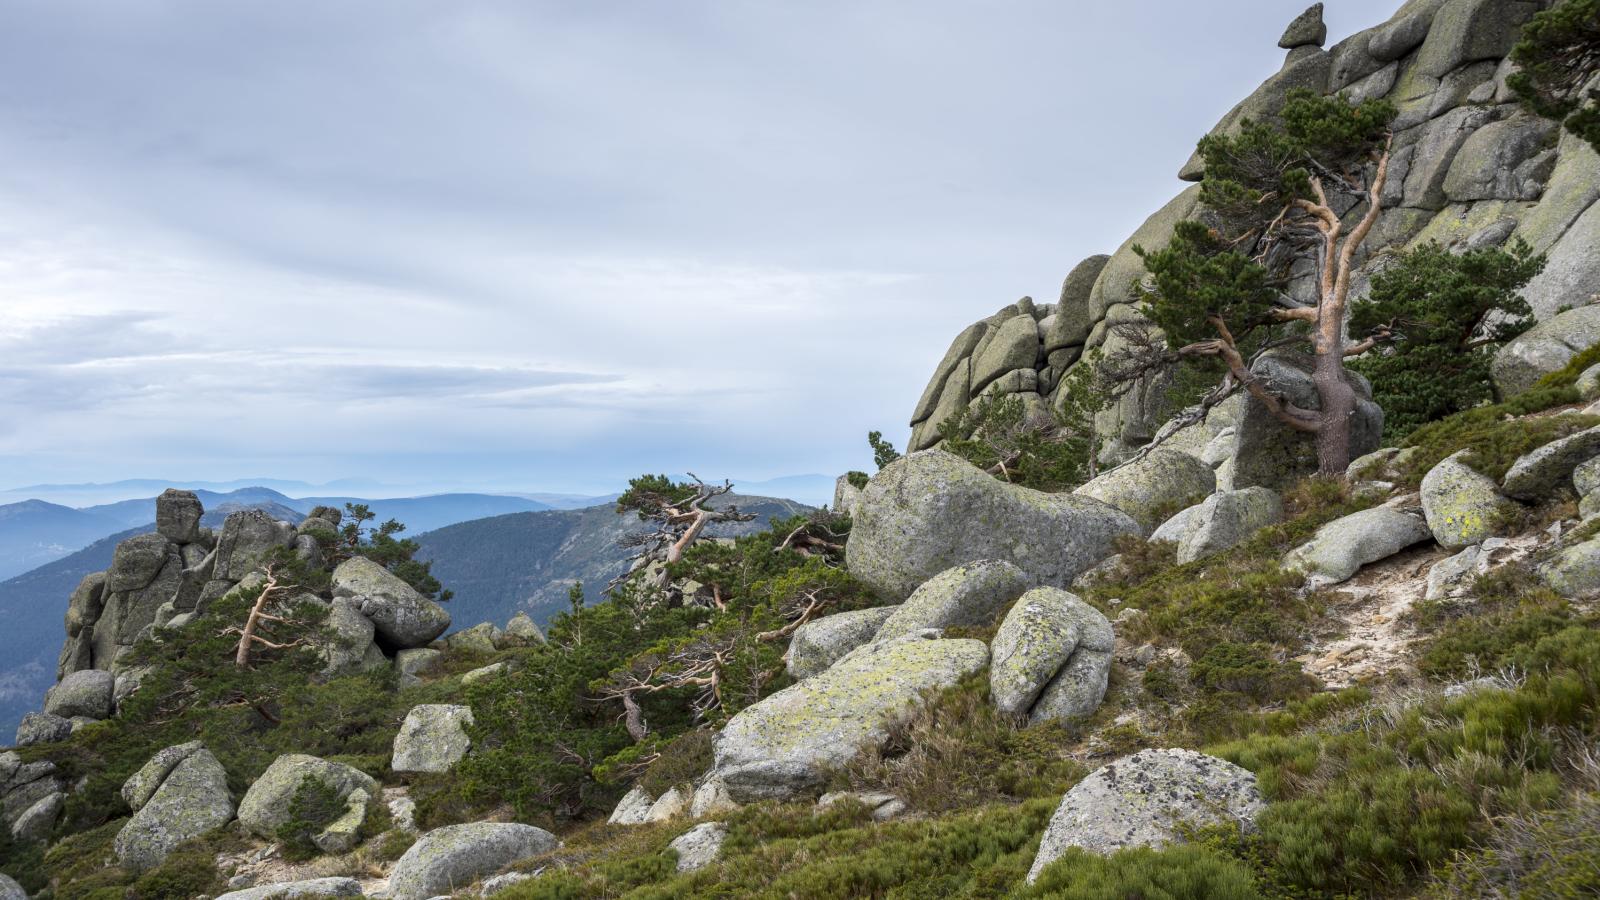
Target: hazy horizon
x: 538, y: 244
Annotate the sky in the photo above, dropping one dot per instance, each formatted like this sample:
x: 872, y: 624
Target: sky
x: 549, y: 246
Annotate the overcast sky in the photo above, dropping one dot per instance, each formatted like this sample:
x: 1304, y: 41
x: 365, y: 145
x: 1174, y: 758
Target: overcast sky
x: 525, y: 245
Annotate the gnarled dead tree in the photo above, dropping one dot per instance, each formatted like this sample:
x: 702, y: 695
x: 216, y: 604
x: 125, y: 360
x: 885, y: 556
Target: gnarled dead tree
x: 250, y: 633
x: 680, y: 512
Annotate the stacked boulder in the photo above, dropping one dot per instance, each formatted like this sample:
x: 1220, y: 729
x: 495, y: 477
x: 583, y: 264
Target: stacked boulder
x: 32, y: 796
x: 265, y: 808
x: 1470, y: 168
x: 181, y: 793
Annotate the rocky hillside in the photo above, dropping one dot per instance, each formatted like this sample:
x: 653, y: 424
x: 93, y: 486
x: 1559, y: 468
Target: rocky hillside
x: 1211, y: 666
x: 527, y: 562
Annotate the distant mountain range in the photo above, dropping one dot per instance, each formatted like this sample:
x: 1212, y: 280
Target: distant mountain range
x: 528, y: 561
x: 499, y: 554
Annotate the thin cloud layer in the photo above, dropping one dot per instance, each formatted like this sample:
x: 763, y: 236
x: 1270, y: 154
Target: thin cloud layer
x: 514, y: 245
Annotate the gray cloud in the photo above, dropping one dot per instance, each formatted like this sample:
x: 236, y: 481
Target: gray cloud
x: 544, y: 244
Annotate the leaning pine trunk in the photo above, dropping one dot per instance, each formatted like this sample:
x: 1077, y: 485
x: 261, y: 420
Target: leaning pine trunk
x: 1336, y: 416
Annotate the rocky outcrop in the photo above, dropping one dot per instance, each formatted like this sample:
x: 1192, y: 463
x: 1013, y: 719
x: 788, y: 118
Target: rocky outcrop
x: 1470, y: 168
x: 1051, y: 658
x: 1340, y: 548
x: 265, y: 807
x: 31, y: 795
x: 433, y: 738
x: 180, y: 794
x: 1463, y: 507
x: 521, y: 631
x: 784, y: 745
x: 457, y: 855
x: 930, y: 511
x: 819, y: 644
x: 973, y: 594
x: 699, y: 846
x: 1573, y: 571
x: 42, y: 728
x: 1146, y: 800
x: 403, y: 618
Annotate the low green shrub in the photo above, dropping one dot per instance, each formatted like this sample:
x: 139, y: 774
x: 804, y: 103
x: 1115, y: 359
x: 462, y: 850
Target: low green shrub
x: 1497, y: 435
x: 1183, y: 872
x: 314, y: 806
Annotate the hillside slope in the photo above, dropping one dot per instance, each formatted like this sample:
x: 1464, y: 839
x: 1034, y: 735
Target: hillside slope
x: 527, y: 561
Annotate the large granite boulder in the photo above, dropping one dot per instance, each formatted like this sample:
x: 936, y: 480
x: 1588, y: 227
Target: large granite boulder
x: 265, y: 807
x: 1220, y: 522
x: 248, y: 537
x: 143, y: 784
x: 83, y: 611
x: 136, y: 561
x: 192, y: 798
x: 83, y: 693
x: 1151, y: 486
x: 820, y: 643
x: 1074, y: 315
x: 1014, y: 345
x: 402, y: 616
x: 522, y: 631
x: 349, y: 647
x: 1147, y: 800
x: 1571, y: 275
x: 783, y: 746
x: 1340, y: 548
x: 455, y: 856
x: 410, y: 664
x: 433, y: 738
x: 1545, y: 348
x: 1573, y: 571
x: 1271, y: 454
x: 1547, y: 470
x: 1051, y: 658
x: 1462, y: 506
x: 972, y: 594
x: 178, y: 516
x: 932, y: 510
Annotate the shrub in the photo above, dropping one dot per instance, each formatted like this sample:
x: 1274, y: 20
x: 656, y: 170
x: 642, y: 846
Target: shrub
x: 1183, y: 872
x: 1494, y: 434
x: 996, y: 435
x: 313, y: 807
x: 683, y: 759
x: 1539, y: 854
x: 957, y: 752
x: 1558, y: 55
x: 1448, y: 312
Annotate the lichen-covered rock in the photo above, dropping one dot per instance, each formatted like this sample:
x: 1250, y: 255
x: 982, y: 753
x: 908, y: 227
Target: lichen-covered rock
x: 10, y: 890
x: 136, y: 561
x: 1574, y: 571
x: 178, y: 516
x: 265, y: 807
x: 970, y: 594
x: 522, y: 632
x: 1486, y: 166
x: 784, y: 745
x: 699, y: 846
x: 1014, y: 345
x: 1571, y: 274
x: 1220, y: 522
x: 403, y: 618
x: 312, y: 889
x: 433, y: 738
x: 37, y: 821
x: 1307, y: 29
x: 248, y: 536
x: 42, y: 728
x: 457, y: 855
x: 884, y: 806
x: 193, y: 799
x: 929, y: 511
x: 1051, y: 657
x: 411, y: 663
x: 1452, y: 576
x: 1545, y: 348
x: 83, y: 693
x: 1074, y: 315
x: 479, y: 639
x: 1541, y: 473
x: 350, y: 636
x: 143, y: 784
x: 1461, y: 506
x: 672, y: 803
x: 492, y: 670
x: 1146, y: 800
x: 1150, y: 486
x: 1340, y: 548
x: 344, y: 832
x: 632, y: 808
x: 711, y: 798
x: 820, y: 643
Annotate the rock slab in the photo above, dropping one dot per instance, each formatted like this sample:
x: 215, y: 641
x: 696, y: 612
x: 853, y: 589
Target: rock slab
x: 453, y: 857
